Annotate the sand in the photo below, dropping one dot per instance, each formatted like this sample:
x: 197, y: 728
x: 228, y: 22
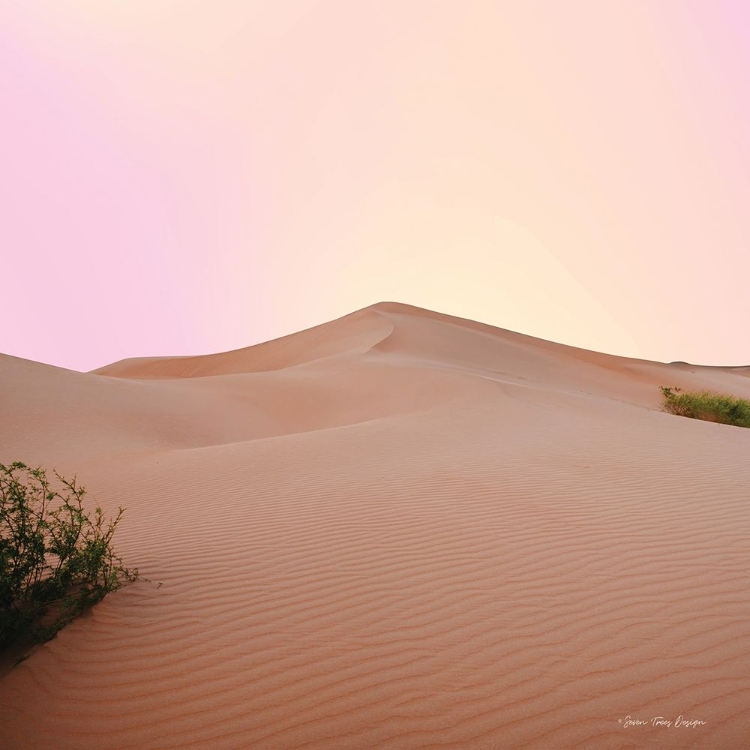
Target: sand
x: 395, y: 530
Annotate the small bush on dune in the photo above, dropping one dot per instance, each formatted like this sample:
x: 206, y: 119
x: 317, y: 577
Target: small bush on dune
x: 55, y: 560
x: 707, y: 405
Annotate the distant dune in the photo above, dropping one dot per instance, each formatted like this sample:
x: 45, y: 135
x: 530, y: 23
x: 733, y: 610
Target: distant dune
x: 395, y: 530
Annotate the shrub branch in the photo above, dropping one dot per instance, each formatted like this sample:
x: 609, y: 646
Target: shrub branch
x: 55, y: 559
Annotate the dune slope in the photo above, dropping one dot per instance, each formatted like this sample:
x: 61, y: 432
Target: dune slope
x: 395, y: 530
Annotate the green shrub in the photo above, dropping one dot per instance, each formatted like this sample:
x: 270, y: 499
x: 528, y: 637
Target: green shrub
x: 707, y: 405
x: 55, y: 560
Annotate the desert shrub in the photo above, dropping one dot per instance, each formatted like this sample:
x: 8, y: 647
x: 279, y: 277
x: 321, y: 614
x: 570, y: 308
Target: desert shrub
x: 707, y: 405
x: 55, y: 559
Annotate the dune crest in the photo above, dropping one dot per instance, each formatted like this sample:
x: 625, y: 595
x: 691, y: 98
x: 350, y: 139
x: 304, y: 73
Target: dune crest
x: 395, y: 530
x: 354, y: 333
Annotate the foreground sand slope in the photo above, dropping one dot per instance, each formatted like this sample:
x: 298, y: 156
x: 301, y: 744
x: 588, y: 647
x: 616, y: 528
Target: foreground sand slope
x: 395, y: 530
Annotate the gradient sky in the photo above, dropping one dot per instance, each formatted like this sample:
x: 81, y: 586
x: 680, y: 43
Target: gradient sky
x: 184, y: 177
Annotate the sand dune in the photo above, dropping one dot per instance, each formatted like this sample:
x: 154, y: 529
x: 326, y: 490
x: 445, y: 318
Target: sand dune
x: 395, y: 530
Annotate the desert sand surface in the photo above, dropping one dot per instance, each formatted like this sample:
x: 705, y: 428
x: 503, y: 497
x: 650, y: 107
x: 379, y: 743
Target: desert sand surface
x: 396, y: 530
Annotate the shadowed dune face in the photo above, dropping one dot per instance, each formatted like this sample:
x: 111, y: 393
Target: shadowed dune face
x: 395, y: 530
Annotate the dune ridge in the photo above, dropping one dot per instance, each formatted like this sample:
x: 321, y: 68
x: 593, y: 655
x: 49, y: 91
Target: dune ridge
x: 396, y: 530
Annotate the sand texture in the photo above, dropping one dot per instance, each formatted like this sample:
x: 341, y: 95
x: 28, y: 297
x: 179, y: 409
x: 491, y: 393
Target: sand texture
x: 395, y: 530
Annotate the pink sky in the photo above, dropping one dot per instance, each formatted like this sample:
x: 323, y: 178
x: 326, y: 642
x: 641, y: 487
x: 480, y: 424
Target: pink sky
x: 189, y: 177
